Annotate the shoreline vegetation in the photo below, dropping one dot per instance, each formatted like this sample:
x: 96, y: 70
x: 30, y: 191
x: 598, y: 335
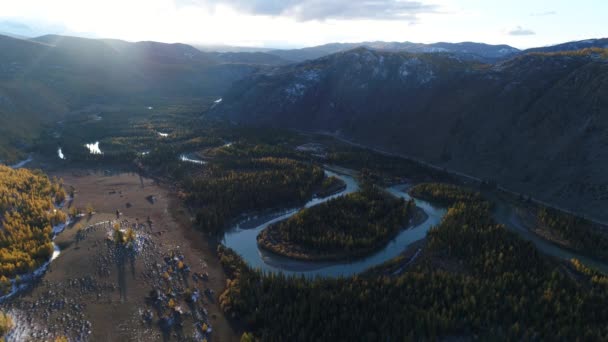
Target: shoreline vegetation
x: 570, y: 232
x: 444, y: 194
x: 347, y: 227
x: 331, y: 185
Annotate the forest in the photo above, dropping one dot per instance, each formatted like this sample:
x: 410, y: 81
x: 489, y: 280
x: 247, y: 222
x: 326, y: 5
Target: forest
x: 580, y: 235
x: 27, y: 214
x: 347, y: 226
x: 6, y: 324
x: 475, y: 279
x: 258, y: 183
x: 331, y: 185
x: 444, y: 194
x: 384, y: 169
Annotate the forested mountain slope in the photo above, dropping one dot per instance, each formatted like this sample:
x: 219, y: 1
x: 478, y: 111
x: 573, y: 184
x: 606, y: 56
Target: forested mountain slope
x: 536, y: 123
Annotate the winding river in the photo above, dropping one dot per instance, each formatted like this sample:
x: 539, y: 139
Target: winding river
x: 242, y: 238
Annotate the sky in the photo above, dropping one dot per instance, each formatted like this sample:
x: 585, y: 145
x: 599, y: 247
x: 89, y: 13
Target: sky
x: 301, y: 23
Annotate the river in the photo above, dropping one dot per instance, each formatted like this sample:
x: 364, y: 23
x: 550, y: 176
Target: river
x: 505, y: 215
x: 242, y: 238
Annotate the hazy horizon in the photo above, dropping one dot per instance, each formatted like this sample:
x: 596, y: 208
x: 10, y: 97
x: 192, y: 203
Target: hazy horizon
x: 304, y: 23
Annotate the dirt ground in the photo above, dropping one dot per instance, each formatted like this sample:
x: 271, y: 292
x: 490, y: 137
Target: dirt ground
x: 87, y: 294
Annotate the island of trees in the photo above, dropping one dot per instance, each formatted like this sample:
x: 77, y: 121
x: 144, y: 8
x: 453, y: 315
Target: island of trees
x: 27, y: 217
x: 344, y: 227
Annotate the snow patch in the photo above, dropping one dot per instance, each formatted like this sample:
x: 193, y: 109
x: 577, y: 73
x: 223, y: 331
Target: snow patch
x: 310, y: 75
x: 295, y: 91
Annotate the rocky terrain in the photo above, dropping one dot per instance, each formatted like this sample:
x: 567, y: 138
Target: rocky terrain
x: 162, y: 286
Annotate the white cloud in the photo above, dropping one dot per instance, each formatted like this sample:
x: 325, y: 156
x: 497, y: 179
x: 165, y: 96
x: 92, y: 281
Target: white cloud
x: 543, y: 14
x: 305, y: 10
x: 520, y: 31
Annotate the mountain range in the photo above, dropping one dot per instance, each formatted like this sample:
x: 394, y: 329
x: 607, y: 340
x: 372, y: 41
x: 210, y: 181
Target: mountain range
x: 465, y: 50
x: 536, y: 123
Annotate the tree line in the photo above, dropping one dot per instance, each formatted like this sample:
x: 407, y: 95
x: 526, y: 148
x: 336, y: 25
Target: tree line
x: 444, y: 194
x: 580, y: 234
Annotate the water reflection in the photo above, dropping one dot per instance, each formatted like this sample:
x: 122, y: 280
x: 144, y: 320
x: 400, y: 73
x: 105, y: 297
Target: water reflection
x: 93, y: 148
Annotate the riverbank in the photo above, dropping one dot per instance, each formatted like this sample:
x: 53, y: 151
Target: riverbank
x: 529, y: 219
x: 397, y: 265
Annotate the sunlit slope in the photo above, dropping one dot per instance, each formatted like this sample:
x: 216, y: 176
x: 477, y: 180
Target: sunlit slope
x: 45, y: 78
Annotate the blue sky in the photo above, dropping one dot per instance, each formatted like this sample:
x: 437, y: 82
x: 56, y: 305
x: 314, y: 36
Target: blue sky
x: 299, y: 23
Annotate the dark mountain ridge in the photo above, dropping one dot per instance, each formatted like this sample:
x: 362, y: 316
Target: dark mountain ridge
x: 469, y: 50
x: 572, y: 46
x: 536, y: 123
x: 481, y: 52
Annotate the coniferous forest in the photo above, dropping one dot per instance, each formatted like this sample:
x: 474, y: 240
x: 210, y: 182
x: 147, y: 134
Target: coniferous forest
x: 347, y: 226
x: 256, y: 184
x: 444, y: 194
x: 578, y: 233
x: 474, y: 279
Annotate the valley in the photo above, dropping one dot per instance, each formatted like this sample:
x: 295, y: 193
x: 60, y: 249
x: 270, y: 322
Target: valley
x: 468, y: 117
x: 369, y: 191
x: 90, y: 282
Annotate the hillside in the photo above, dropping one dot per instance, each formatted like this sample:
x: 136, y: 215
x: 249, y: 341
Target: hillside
x: 44, y: 78
x: 535, y: 123
x: 573, y: 46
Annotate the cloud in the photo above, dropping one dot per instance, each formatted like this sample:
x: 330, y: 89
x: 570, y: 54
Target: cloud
x: 520, y: 31
x: 543, y: 14
x: 307, y: 10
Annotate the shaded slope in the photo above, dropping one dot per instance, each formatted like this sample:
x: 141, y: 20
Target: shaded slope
x: 535, y: 123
